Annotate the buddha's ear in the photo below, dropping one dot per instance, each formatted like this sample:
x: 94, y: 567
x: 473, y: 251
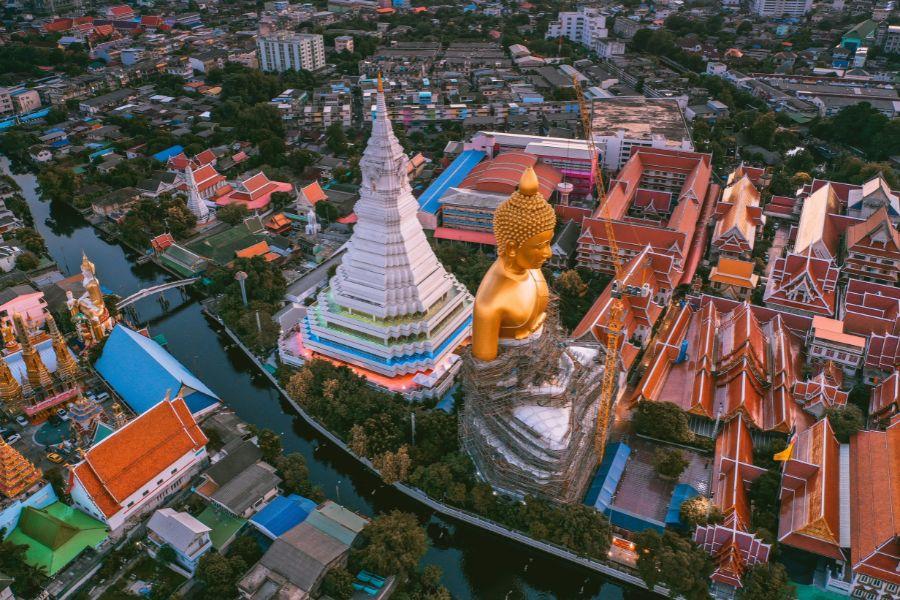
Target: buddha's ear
x: 511, y: 248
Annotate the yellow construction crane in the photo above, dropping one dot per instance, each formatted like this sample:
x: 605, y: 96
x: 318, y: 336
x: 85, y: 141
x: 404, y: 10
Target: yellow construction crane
x: 617, y: 308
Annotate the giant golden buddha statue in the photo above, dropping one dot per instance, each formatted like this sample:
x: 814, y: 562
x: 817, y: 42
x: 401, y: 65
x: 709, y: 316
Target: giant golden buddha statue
x: 530, y: 407
x: 511, y: 303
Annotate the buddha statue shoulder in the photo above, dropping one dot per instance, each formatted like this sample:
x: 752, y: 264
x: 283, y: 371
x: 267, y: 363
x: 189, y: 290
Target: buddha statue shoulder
x: 511, y: 302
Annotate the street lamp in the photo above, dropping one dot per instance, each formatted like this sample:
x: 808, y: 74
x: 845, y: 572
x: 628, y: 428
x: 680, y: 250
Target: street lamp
x: 241, y: 278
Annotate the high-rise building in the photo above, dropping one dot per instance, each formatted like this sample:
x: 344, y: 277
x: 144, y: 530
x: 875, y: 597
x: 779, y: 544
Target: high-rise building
x: 391, y: 310
x: 586, y: 26
x: 287, y: 51
x: 780, y: 8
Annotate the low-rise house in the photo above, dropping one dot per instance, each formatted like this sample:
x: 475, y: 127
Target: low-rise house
x: 24, y: 300
x: 184, y: 534
x: 115, y: 203
x: 8, y: 255
x: 137, y: 467
x: 159, y: 183
x: 240, y: 482
x: 827, y: 341
x: 295, y: 564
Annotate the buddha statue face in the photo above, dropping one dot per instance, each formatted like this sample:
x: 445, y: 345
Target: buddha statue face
x: 530, y: 254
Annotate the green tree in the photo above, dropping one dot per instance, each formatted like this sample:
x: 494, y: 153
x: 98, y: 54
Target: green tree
x: 166, y: 554
x: 232, y: 213
x: 669, y: 463
x: 391, y: 544
x: 662, y: 420
x: 27, y: 261
x: 281, y: 200
x: 338, y: 584
x: 699, y: 510
x: 270, y: 444
x: 246, y: 548
x: 845, y: 421
x: 294, y: 474
x: 466, y: 261
x: 675, y: 562
x: 762, y: 132
x: 326, y: 212
x: 30, y: 239
x: 28, y: 581
x: 763, y: 496
x: 257, y: 328
x: 336, y: 139
x: 218, y: 576
x: 767, y: 581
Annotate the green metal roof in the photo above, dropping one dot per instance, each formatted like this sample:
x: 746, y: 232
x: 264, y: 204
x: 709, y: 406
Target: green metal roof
x: 56, y: 535
x: 224, y: 525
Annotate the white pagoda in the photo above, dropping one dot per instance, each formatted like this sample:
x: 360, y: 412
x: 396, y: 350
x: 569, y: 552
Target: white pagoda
x: 391, y: 310
x: 195, y: 203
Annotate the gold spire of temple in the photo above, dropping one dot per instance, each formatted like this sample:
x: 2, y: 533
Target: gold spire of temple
x: 10, y: 390
x: 38, y: 375
x: 66, y: 366
x: 17, y: 473
x: 119, y: 416
x: 380, y: 84
x: 511, y: 302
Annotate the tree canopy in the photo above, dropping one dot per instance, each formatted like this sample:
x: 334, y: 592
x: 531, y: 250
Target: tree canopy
x: 675, y: 562
x: 391, y: 544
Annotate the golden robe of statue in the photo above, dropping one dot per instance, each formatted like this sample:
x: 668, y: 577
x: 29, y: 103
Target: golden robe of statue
x: 511, y: 302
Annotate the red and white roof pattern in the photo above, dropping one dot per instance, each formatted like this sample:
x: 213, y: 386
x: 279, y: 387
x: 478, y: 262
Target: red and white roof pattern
x: 871, y: 308
x: 803, y: 283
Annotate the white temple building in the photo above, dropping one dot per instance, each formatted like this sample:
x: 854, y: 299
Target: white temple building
x: 391, y: 310
x: 195, y: 203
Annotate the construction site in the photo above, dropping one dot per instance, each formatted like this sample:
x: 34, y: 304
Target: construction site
x: 529, y: 418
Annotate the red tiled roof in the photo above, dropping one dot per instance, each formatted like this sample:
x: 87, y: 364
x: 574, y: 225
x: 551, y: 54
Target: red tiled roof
x: 875, y: 503
x: 59, y: 25
x: 313, y: 192
x: 464, y: 235
x: 207, y: 157
x: 815, y: 277
x: 650, y: 268
x: 885, y: 399
x: 871, y: 308
x: 120, y: 10
x: 739, y: 214
x: 103, y: 30
x: 502, y: 173
x: 880, y: 218
x: 130, y: 457
x: 206, y: 176
x: 257, y: 249
x: 810, y: 512
x: 883, y: 352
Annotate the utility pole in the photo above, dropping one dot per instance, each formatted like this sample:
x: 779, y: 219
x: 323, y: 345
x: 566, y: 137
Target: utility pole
x: 241, y: 278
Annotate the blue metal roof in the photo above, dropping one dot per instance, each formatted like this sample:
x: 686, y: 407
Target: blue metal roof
x: 142, y: 373
x: 165, y: 155
x: 453, y: 175
x: 681, y: 493
x: 605, y: 482
x: 282, y: 514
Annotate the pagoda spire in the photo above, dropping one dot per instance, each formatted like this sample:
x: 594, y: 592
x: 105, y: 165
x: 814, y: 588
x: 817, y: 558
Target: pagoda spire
x: 195, y: 203
x: 10, y: 390
x: 86, y: 415
x: 17, y: 473
x: 38, y: 375
x: 67, y: 367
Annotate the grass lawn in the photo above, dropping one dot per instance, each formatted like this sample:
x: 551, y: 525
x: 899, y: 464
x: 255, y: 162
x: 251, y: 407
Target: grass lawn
x: 146, y: 569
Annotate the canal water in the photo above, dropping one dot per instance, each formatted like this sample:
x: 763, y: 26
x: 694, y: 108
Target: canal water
x: 475, y: 564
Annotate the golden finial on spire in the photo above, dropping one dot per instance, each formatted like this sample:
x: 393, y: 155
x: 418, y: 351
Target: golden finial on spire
x: 380, y: 84
x: 528, y: 184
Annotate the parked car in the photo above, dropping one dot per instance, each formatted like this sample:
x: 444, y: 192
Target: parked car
x: 62, y: 414
x: 21, y: 420
x: 13, y: 438
x: 54, y: 457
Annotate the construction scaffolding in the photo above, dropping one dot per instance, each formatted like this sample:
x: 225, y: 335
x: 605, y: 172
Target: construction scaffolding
x: 529, y: 416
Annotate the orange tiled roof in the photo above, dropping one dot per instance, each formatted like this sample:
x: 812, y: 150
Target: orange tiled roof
x: 875, y: 503
x: 880, y: 218
x: 734, y: 272
x: 257, y: 249
x: 810, y: 512
x: 886, y: 396
x: 502, y: 173
x: 314, y: 192
x: 739, y: 215
x: 125, y: 461
x: 871, y: 308
x: 278, y: 221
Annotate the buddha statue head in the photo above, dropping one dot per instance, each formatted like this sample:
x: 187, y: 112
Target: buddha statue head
x: 523, y: 226
x: 512, y: 299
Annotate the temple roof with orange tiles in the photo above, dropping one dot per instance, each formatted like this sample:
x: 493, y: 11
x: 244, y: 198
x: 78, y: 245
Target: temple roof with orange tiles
x: 132, y: 456
x: 719, y: 360
x: 871, y: 308
x: 810, y: 493
x: 739, y: 214
x: 875, y: 503
x: 804, y: 283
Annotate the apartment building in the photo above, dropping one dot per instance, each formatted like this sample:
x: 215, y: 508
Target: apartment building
x: 780, y: 8
x: 291, y: 52
x: 586, y: 26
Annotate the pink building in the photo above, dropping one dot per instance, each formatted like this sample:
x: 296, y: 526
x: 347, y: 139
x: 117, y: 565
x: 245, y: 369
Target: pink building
x: 26, y: 301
